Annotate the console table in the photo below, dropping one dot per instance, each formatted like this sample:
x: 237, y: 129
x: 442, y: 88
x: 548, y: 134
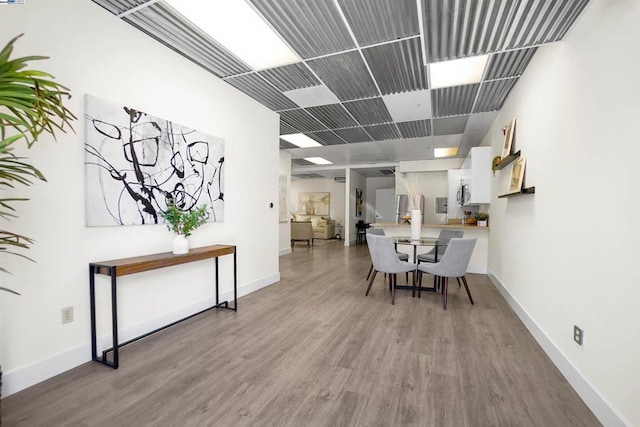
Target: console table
x: 125, y: 266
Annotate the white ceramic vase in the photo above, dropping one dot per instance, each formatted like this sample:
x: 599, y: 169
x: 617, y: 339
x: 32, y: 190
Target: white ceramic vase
x: 180, y: 244
x: 416, y: 224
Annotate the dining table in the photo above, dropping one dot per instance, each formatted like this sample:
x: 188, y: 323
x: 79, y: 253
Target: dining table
x: 423, y: 241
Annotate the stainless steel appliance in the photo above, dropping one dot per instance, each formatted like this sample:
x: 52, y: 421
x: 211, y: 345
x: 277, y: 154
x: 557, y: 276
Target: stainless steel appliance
x: 403, y: 209
x: 463, y: 195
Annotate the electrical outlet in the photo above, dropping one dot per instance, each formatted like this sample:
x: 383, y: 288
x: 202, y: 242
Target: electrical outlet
x: 578, y: 334
x: 67, y: 315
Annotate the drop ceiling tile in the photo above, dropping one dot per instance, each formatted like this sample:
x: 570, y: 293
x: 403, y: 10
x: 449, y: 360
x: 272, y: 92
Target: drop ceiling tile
x: 453, y: 101
x: 257, y: 88
x: 312, y: 96
x: 301, y: 162
x: 415, y: 129
x: 405, y: 107
x: 333, y: 116
x: 509, y: 64
x: 493, y: 94
x: 449, y: 125
x: 286, y: 129
x: 118, y: 6
x: 311, y: 28
x: 397, y: 67
x: 286, y: 144
x: 351, y: 135
x: 346, y: 75
x: 290, y: 77
x: 382, y: 20
x: 326, y: 138
x: 301, y: 120
x: 480, y: 123
x: 383, y: 132
x: 369, y: 111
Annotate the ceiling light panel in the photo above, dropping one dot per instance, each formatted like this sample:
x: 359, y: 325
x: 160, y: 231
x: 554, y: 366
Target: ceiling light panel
x: 334, y: 116
x: 493, y: 94
x: 508, y: 64
x: 300, y: 140
x: 382, y: 132
x: 311, y: 28
x: 285, y: 145
x: 301, y: 120
x: 409, y: 106
x: 290, y: 77
x: 170, y: 28
x: 453, y: 101
x: 301, y: 162
x: 318, y: 160
x: 352, y: 135
x: 445, y: 152
x: 326, y: 137
x: 257, y: 88
x: 397, y: 67
x: 369, y: 111
x: 457, y: 72
x: 235, y: 25
x: 382, y: 20
x: 415, y: 129
x: 312, y: 96
x: 346, y: 75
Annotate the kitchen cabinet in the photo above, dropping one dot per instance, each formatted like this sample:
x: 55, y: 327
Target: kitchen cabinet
x: 480, y: 184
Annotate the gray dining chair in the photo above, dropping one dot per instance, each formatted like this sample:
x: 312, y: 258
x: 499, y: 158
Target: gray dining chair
x: 401, y: 255
x: 443, y: 240
x: 385, y: 260
x: 453, y: 263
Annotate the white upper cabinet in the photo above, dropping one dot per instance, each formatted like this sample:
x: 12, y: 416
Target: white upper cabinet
x: 480, y: 185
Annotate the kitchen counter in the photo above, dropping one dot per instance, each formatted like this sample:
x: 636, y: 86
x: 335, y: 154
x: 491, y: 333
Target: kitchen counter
x: 437, y: 226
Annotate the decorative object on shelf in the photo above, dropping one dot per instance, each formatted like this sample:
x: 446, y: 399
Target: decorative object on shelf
x: 416, y: 224
x: 182, y: 223
x: 494, y: 164
x: 509, y: 132
x: 314, y: 203
x: 481, y: 219
x: 358, y: 201
x: 517, y: 175
x: 413, y: 189
x: 133, y: 158
x: 31, y: 103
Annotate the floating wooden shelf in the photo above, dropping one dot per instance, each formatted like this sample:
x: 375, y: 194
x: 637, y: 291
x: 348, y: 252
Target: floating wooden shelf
x: 507, y: 160
x: 523, y: 192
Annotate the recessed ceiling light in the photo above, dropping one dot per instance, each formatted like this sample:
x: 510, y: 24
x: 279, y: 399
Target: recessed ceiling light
x: 301, y: 140
x: 445, y: 152
x: 318, y: 160
x: 457, y: 72
x: 236, y: 25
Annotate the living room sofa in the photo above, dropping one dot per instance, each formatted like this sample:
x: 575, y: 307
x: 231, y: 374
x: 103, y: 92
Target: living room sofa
x: 323, y: 228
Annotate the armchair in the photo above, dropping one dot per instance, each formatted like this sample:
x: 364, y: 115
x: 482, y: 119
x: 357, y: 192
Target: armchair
x: 323, y: 228
x: 301, y: 230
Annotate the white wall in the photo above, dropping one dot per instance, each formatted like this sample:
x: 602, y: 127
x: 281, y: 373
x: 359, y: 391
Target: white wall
x: 94, y: 52
x: 373, y: 184
x: 568, y: 254
x: 285, y: 226
x: 433, y: 184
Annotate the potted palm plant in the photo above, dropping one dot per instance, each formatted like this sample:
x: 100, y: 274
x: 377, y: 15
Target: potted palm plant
x: 31, y: 104
x: 182, y: 223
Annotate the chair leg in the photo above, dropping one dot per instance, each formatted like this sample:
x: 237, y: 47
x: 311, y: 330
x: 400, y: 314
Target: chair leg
x: 458, y: 279
x: 466, y: 286
x: 370, y: 283
x: 393, y: 278
x: 413, y: 285
x: 370, y: 271
x: 445, y: 286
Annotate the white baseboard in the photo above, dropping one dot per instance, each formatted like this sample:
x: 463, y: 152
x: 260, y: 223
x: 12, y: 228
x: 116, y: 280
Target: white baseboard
x: 598, y: 405
x: 285, y: 251
x: 24, y: 377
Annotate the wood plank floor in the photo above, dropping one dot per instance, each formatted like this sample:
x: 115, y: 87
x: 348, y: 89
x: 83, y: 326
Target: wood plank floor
x: 312, y: 350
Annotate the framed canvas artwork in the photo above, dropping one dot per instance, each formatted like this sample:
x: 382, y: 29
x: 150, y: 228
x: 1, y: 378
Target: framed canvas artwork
x: 313, y: 203
x: 517, y: 175
x: 508, y: 138
x: 358, y: 202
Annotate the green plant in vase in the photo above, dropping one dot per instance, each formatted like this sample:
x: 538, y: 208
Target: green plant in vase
x: 481, y: 218
x: 182, y: 223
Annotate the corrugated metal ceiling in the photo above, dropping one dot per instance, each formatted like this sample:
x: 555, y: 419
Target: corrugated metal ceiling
x: 362, y: 50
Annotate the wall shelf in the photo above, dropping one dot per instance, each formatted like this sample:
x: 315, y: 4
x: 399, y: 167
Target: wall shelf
x: 523, y: 192
x: 507, y: 160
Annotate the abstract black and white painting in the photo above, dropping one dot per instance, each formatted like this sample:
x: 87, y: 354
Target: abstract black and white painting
x: 135, y: 163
